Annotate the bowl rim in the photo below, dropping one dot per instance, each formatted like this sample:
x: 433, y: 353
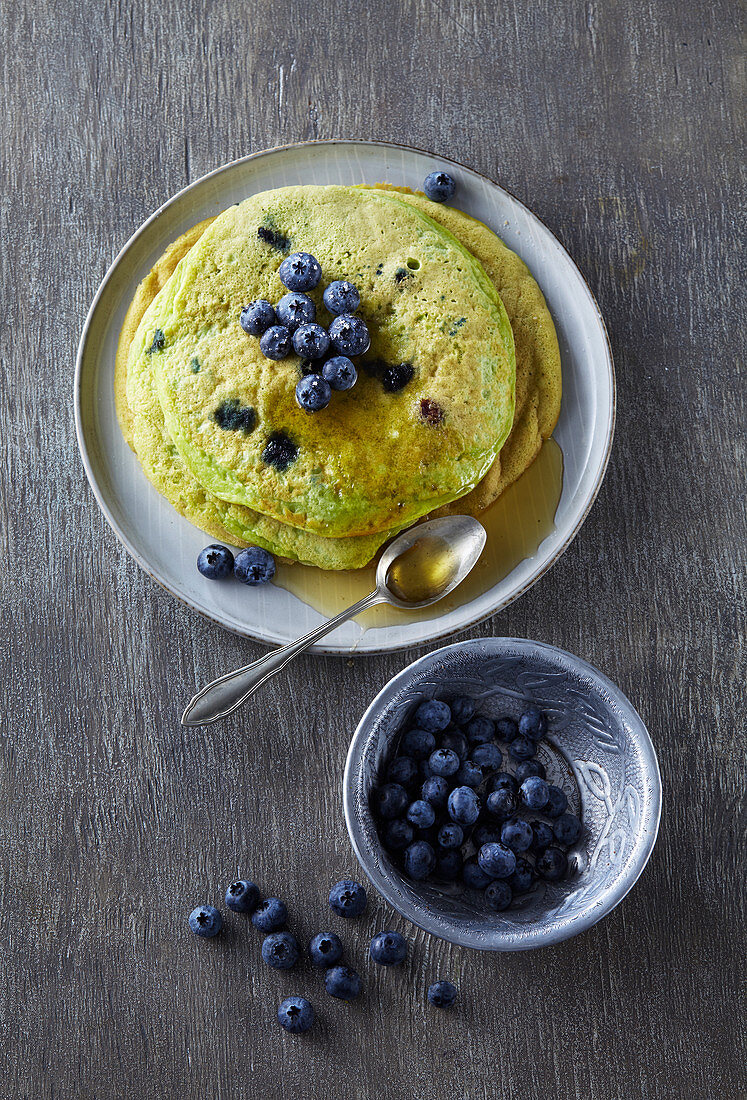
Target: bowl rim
x: 552, y: 934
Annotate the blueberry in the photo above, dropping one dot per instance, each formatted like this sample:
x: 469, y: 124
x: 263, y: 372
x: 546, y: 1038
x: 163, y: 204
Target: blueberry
x: 462, y: 709
x: 469, y: 775
x: 480, y: 730
x: 523, y: 877
x: 443, y: 762
x: 517, y: 834
x: 294, y: 310
x: 528, y: 768
x: 464, y: 806
x: 215, y: 562
x: 501, y: 803
x: 349, y: 334
x: 270, y: 915
x: 534, y: 792
x: 254, y: 566
x: 257, y: 317
x: 506, y: 729
x: 279, y: 451
x: 451, y: 835
x: 310, y: 341
x: 485, y: 834
x: 503, y: 780
x: 542, y: 836
x: 552, y: 864
x: 403, y: 770
x: 275, y: 342
x: 340, y: 373
x: 325, y: 949
x: 388, y: 949
x: 498, y: 895
x: 300, y: 271
x: 280, y: 950
x: 159, y: 342
x: 442, y: 994
x: 433, y: 715
x: 521, y: 748
x: 449, y: 865
x: 488, y: 757
x: 347, y: 898
x: 421, y: 814
x: 205, y: 921
x: 313, y: 393
x: 395, y: 376
x: 296, y: 1015
x: 425, y: 770
x: 439, y: 186
x: 567, y: 829
x: 496, y: 860
x: 232, y: 416
x: 435, y: 790
x: 343, y: 983
x: 242, y: 896
x: 397, y: 834
x: 533, y: 723
x: 473, y: 875
x: 557, y: 802
x: 341, y: 297
x: 456, y: 741
x: 389, y: 801
x: 418, y: 743
x: 420, y: 860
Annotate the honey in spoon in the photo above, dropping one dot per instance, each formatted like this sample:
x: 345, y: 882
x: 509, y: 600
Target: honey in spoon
x: 423, y: 571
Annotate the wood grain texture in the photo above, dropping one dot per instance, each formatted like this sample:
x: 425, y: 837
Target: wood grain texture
x: 620, y: 124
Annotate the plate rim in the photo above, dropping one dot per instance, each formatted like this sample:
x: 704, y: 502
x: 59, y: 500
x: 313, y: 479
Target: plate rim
x: 321, y: 648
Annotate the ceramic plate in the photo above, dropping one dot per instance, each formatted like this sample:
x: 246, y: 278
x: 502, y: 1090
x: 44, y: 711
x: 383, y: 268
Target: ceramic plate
x: 166, y: 545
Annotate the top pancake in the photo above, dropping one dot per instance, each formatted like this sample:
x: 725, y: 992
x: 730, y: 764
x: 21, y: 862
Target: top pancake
x: 370, y: 462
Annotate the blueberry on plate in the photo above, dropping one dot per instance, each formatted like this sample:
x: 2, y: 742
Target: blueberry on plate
x: 280, y: 950
x: 498, y: 895
x: 300, y: 271
x: 340, y: 372
x: 517, y: 834
x: 421, y: 814
x: 496, y: 860
x: 347, y: 898
x: 479, y: 730
x: 469, y: 775
x: 449, y: 865
x: 451, y: 835
x: 503, y: 779
x: 533, y: 723
x: 443, y: 762
x: 506, y: 730
x: 436, y: 791
x: 296, y: 1015
x: 534, y: 792
x: 462, y: 709
x: 418, y: 743
x: 397, y: 835
x: 276, y: 342
x: 523, y: 877
x: 313, y: 393
x: 205, y: 921
x: 464, y: 806
x: 420, y: 860
x: 388, y: 949
x: 529, y: 768
x: 473, y: 875
x: 242, y: 896
x: 254, y: 566
x: 215, y: 562
x: 487, y: 756
x: 257, y: 317
x: 557, y: 802
x: 349, y: 334
x: 343, y: 983
x: 341, y: 296
x: 521, y: 748
x: 270, y: 915
x: 402, y: 769
x: 542, y: 836
x: 325, y: 949
x: 442, y: 994
x: 552, y: 864
x: 501, y: 803
x: 389, y: 801
x: 567, y: 829
x: 456, y: 741
x: 433, y: 715
x: 294, y: 310
x: 485, y: 834
x: 310, y: 341
x: 439, y: 186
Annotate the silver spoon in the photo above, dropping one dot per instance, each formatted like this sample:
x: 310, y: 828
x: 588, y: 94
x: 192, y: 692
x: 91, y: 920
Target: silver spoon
x: 421, y: 566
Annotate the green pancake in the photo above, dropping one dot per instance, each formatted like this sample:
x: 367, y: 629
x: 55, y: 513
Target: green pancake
x: 372, y: 461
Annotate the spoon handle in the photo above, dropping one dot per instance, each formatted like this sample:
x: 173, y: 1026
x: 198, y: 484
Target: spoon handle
x: 225, y: 695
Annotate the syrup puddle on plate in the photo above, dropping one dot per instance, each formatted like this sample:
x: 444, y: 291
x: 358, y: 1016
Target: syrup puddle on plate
x: 516, y: 524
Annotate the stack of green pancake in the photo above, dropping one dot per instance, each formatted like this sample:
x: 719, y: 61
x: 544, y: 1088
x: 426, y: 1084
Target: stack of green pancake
x: 439, y: 292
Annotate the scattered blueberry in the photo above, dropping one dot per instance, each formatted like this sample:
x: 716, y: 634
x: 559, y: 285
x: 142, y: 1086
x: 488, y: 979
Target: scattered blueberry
x: 325, y: 949
x: 257, y: 317
x: 473, y: 875
x: 294, y: 310
x: 270, y: 915
x: 464, y: 806
x: 296, y: 1015
x: 215, y: 562
x: 485, y: 834
x: 340, y: 372
x: 420, y: 860
x: 449, y: 865
x: 433, y: 715
x: 480, y: 730
x: 462, y: 709
x: 280, y: 950
x: 469, y: 775
x: 159, y: 342
x: 436, y: 791
x: 439, y: 186
x: 300, y: 271
x: 279, y: 451
x: 528, y: 768
x: 496, y: 860
x: 421, y: 814
x: 310, y: 341
x: 442, y: 994
x: 533, y: 723
x: 456, y: 741
x: 557, y: 802
x: 276, y: 342
x: 517, y: 834
x: 498, y: 895
x: 418, y: 743
x: 390, y: 800
x: 403, y: 770
x: 487, y: 756
x: 313, y: 393
x: 242, y: 896
x: 503, y: 779
x: 388, y: 949
x: 567, y: 829
x: 398, y: 834
x: 521, y: 748
x: 451, y: 835
x: 501, y: 803
x: 341, y: 296
x: 347, y: 898
x: 205, y: 921
x: 395, y: 376
x: 552, y: 864
x: 343, y: 983
x: 444, y: 762
x: 274, y: 238
x: 506, y: 729
x: 349, y: 334
x: 534, y: 792
x: 254, y: 566
x: 523, y: 877
x: 232, y: 416
x: 542, y: 836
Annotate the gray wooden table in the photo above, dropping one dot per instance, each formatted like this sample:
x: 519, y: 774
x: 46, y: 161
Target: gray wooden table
x: 619, y: 124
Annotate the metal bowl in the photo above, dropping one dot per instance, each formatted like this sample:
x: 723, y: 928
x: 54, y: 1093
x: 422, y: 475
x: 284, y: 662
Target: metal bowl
x: 597, y: 748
